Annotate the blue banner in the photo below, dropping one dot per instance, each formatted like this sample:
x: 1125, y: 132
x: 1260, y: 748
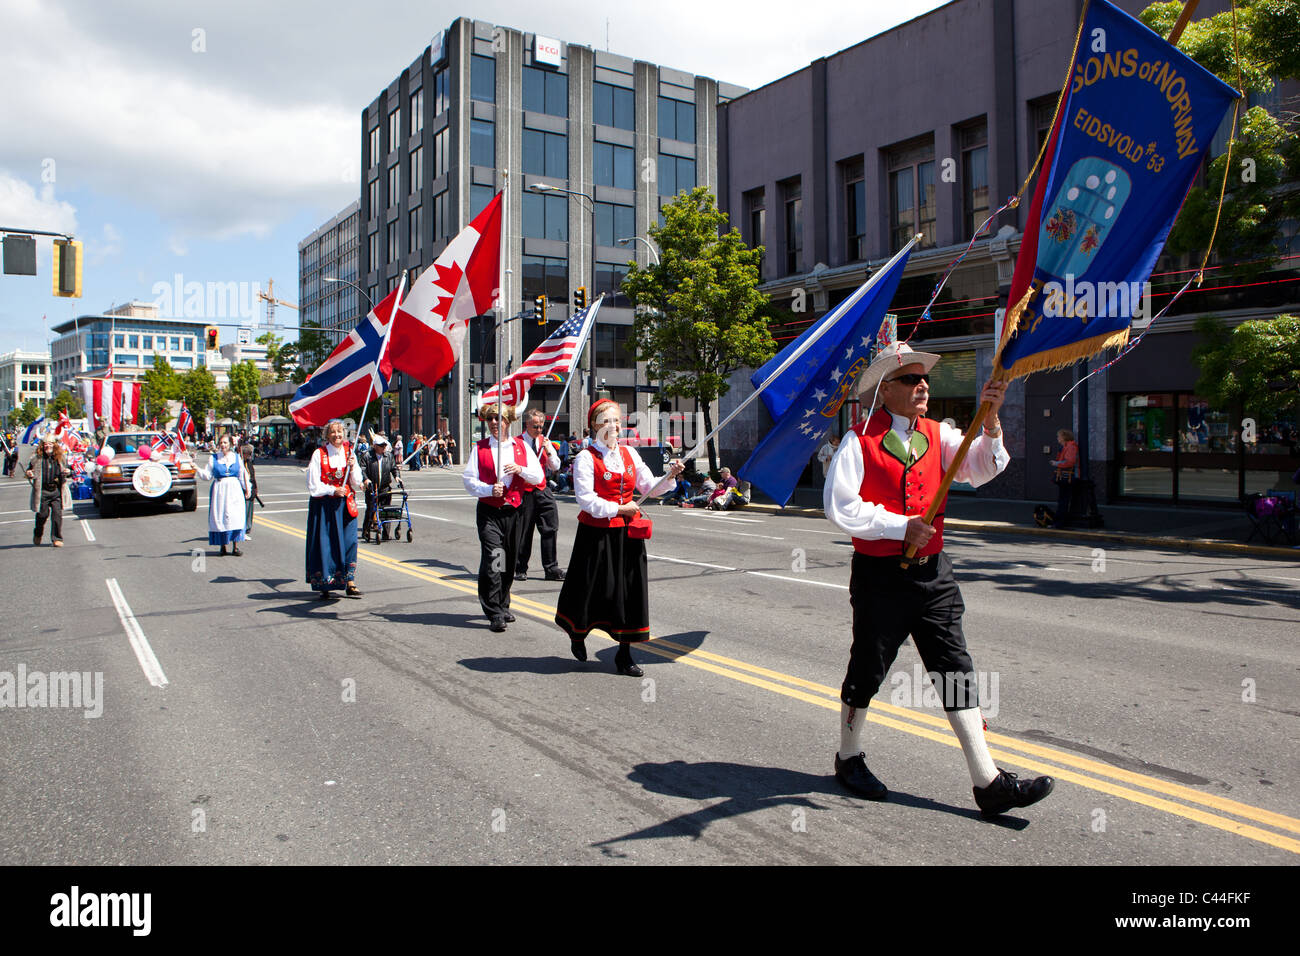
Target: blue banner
x: 1129, y: 140
x: 805, y: 399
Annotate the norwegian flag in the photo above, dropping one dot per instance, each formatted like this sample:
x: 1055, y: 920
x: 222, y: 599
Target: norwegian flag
x: 462, y: 283
x: 184, y: 424
x: 117, y: 403
x: 427, y: 332
x: 556, y: 355
x: 64, y: 422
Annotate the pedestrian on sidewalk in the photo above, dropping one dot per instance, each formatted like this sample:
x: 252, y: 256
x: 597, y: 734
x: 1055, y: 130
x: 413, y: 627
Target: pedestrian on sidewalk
x: 227, y: 497
x: 246, y: 453
x: 607, y: 584
x: 882, y: 480
x: 538, y: 511
x: 49, y: 476
x: 333, y: 472
x: 378, y: 472
x: 1065, y: 464
x: 496, y: 474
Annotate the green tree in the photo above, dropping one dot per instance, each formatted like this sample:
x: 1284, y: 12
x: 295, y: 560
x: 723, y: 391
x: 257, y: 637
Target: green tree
x: 1257, y: 363
x: 161, y: 385
x: 1263, y: 194
x: 198, y: 389
x: 699, y: 316
x: 286, y: 363
x: 241, y: 392
x: 24, y: 415
x: 65, y: 401
x: 314, y: 347
x: 273, y: 345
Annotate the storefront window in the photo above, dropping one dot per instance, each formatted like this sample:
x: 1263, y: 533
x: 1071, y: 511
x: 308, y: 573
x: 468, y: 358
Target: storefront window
x: 1273, y: 455
x: 1207, y: 451
x: 1146, y: 423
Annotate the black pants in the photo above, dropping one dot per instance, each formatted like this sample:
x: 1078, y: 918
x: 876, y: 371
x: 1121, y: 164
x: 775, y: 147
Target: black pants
x: 889, y: 603
x: 51, y: 505
x: 538, y: 511
x: 385, y: 498
x: 498, y: 538
x: 1064, y: 486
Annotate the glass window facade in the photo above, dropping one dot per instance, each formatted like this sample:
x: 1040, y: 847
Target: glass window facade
x: 676, y: 175
x: 483, y: 78
x: 792, y: 198
x: 614, y: 221
x: 676, y: 120
x: 545, y: 91
x: 546, y: 154
x: 609, y: 280
x: 479, y: 197
x: 417, y: 110
x: 482, y: 143
x: 545, y: 275
x: 613, y: 106
x: 417, y: 169
x: 912, y: 207
x: 611, y: 346
x: 547, y: 217
x: 614, y: 165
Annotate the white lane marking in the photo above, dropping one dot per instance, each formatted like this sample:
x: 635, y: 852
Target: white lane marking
x: 139, y: 643
x: 743, y: 534
x: 18, y: 512
x: 698, y: 564
x: 18, y: 520
x: 1280, y: 577
x: 420, y: 514
x: 720, y: 516
x: 761, y: 574
x: 782, y: 577
x: 85, y: 526
x: 842, y: 534
x: 440, y: 497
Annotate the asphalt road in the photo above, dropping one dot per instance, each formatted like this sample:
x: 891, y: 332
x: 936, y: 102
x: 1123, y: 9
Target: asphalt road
x: 1162, y: 691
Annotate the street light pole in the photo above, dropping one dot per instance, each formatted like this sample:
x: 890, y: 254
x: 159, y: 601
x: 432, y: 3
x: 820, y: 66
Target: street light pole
x: 654, y: 254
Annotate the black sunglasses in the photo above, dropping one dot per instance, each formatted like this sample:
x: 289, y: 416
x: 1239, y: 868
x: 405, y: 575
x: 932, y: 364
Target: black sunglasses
x: 910, y: 379
x: 491, y: 418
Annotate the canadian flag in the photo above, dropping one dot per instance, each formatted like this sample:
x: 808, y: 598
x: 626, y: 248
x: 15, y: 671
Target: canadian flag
x: 117, y: 403
x: 462, y: 283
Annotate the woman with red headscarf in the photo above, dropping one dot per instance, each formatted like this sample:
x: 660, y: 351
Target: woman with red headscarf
x: 606, y: 587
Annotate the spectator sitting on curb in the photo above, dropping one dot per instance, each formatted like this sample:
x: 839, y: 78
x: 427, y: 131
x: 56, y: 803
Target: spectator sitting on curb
x: 718, y: 500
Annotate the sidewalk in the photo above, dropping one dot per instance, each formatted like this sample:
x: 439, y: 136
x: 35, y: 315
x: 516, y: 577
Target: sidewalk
x: 1218, y: 530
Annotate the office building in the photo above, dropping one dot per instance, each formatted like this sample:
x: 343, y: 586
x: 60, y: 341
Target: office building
x: 23, y: 376
x: 330, y: 252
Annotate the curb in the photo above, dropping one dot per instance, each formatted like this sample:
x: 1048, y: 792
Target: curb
x: 1110, y: 537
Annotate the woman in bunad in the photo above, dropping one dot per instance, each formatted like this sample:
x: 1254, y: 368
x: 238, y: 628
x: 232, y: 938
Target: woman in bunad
x: 607, y: 584
x: 227, y: 497
x: 331, y: 528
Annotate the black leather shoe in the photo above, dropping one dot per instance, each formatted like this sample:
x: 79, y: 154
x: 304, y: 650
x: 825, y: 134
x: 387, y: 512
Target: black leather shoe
x: 855, y: 776
x: 1007, y: 792
x: 352, y: 591
x: 237, y: 553
x: 36, y: 539
x: 521, y: 575
x: 579, y: 648
x: 498, y: 624
x: 509, y: 618
x: 324, y: 596
x: 624, y: 664
x: 556, y: 575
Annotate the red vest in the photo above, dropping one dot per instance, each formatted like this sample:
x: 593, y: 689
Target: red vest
x: 541, y: 459
x: 331, y: 476
x: 902, y: 489
x: 487, y: 472
x: 618, y: 487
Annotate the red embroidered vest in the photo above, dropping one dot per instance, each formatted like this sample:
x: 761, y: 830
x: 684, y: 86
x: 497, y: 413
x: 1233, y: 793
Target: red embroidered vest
x: 487, y: 472
x: 903, y: 489
x: 618, y: 487
x: 335, y: 476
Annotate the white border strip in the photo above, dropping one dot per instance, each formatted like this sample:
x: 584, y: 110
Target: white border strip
x: 85, y: 526
x: 139, y: 643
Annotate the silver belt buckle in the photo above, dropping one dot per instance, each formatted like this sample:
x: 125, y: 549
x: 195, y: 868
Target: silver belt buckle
x: 919, y: 562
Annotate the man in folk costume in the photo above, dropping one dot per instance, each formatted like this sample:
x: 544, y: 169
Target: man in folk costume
x: 538, y: 511
x: 879, y: 485
x: 496, y: 474
x: 607, y: 587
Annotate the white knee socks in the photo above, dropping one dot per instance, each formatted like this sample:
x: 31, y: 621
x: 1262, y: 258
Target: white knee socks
x: 851, y: 721
x: 968, y: 725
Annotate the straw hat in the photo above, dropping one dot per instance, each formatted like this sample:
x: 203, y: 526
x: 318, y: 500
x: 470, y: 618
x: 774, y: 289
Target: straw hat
x: 891, y: 359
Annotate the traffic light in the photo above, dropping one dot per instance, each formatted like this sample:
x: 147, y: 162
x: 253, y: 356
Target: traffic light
x: 580, y: 298
x: 67, y: 268
x: 472, y: 385
x: 210, y: 336
x: 539, y: 307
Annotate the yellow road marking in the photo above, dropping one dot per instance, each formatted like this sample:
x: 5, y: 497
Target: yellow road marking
x: 930, y: 727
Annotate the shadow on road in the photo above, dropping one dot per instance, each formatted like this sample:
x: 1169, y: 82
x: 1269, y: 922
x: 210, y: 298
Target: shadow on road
x: 523, y: 665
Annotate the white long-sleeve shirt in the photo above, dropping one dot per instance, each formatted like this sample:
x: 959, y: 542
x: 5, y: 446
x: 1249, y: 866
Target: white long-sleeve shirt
x: 868, y: 520
x: 530, y: 475
x: 228, y: 459
x: 317, y: 487
x: 550, y: 458
x: 584, y: 479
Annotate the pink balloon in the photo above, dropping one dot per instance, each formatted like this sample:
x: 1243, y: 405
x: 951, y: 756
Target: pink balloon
x: 103, y: 459
x: 145, y: 451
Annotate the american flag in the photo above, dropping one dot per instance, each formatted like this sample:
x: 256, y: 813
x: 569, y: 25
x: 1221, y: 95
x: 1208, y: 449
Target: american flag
x: 556, y: 355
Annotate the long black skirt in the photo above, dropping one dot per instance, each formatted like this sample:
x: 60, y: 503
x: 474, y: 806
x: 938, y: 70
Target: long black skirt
x: 606, y: 587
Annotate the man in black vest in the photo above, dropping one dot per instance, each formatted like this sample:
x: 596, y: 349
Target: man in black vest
x: 378, y: 470
x: 538, y: 510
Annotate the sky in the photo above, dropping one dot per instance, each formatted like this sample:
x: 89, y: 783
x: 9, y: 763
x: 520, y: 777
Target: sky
x: 201, y: 141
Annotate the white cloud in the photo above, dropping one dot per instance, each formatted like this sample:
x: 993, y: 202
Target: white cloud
x: 22, y: 208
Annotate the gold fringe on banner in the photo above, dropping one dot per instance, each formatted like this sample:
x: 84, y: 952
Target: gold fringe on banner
x: 1066, y: 355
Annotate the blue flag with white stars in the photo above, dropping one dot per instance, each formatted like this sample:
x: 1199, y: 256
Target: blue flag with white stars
x: 805, y: 400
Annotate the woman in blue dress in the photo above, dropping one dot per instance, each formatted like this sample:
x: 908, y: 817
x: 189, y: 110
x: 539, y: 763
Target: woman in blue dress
x: 230, y: 490
x: 331, y: 531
